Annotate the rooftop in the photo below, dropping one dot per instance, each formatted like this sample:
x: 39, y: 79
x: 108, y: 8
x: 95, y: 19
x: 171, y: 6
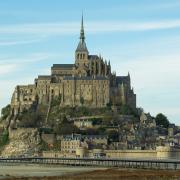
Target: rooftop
x: 66, y: 66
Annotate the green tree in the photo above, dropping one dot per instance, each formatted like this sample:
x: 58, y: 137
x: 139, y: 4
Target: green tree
x: 125, y: 109
x: 82, y: 100
x: 5, y: 112
x: 101, y: 131
x: 30, y: 119
x: 56, y: 101
x: 66, y: 128
x: 4, y: 138
x: 113, y: 135
x: 161, y: 120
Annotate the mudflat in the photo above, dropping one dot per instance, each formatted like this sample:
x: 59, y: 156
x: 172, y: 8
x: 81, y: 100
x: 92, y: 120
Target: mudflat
x: 29, y: 171
x: 81, y: 173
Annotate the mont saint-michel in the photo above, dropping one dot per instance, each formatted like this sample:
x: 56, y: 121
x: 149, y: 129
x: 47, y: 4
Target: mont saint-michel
x: 88, y: 82
x: 83, y: 110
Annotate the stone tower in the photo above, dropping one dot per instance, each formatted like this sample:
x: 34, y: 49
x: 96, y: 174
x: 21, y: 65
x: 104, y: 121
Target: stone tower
x: 81, y: 53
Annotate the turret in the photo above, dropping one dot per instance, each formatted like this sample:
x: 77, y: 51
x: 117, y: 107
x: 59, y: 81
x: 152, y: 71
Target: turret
x: 106, y: 68
x: 129, y: 76
x: 129, y: 80
x: 109, y: 68
x: 123, y: 95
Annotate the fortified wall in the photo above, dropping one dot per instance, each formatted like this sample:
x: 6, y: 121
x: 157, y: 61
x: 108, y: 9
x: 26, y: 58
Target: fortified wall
x: 160, y: 153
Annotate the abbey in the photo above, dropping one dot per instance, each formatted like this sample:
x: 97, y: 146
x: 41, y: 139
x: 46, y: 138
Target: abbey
x: 88, y: 82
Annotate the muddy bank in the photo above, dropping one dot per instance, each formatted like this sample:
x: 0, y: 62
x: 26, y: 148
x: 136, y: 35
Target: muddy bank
x: 115, y: 174
x: 34, y: 171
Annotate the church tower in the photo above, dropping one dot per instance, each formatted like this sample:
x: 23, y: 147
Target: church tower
x: 81, y: 53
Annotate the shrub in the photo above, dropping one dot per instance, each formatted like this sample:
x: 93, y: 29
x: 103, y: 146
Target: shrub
x: 5, y: 112
x: 30, y: 119
x: 4, y: 138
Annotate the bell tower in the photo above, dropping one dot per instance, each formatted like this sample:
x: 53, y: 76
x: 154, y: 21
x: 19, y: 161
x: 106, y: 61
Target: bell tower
x: 81, y: 53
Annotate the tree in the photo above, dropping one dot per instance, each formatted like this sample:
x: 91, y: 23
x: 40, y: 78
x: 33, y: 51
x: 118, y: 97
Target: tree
x: 30, y: 119
x: 6, y: 111
x: 82, y: 100
x: 161, y: 120
x: 56, y: 100
x: 125, y: 109
x: 113, y: 135
x: 101, y: 131
x: 66, y: 128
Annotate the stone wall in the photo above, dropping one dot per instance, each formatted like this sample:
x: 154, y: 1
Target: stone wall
x: 131, y: 153
x: 128, y: 154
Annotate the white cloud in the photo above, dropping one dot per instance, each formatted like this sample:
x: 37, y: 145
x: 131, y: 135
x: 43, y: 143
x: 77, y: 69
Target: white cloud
x: 152, y: 71
x: 93, y: 27
x: 156, y: 82
x: 131, y: 26
x: 171, y: 111
x: 7, y: 68
x: 28, y: 58
x: 18, y: 42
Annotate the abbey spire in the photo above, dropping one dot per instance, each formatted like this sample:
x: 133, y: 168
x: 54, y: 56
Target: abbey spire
x: 81, y: 54
x: 82, y: 45
x: 82, y: 37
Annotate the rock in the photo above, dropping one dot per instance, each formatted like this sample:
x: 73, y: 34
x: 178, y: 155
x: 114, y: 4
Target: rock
x: 22, y: 141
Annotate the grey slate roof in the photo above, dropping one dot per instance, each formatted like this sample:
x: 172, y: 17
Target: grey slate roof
x: 85, y: 78
x: 72, y: 137
x: 92, y: 57
x: 95, y: 136
x: 81, y: 46
x: 44, y: 77
x: 122, y: 79
x: 66, y: 66
x: 80, y: 137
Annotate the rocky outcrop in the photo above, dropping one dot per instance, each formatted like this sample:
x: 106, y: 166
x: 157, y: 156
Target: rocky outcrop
x: 22, y: 141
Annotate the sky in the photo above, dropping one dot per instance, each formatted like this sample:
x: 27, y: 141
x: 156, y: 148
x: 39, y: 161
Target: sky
x: 141, y: 37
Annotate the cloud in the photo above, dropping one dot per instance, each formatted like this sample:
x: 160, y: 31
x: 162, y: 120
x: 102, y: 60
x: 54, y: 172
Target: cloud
x: 151, y: 71
x: 171, y: 111
x: 64, y: 28
x: 156, y: 82
x: 28, y: 58
x: 18, y: 42
x: 15, y: 65
x: 7, y: 68
x: 132, y: 26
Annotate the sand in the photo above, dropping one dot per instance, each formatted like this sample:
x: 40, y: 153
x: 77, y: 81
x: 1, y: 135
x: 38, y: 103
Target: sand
x: 36, y: 172
x: 39, y: 171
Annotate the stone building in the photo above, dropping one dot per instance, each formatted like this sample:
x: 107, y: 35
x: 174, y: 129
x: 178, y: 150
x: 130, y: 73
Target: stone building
x: 69, y: 143
x: 88, y: 82
x: 147, y: 120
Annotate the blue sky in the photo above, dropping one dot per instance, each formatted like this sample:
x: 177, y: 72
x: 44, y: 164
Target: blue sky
x: 142, y: 37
